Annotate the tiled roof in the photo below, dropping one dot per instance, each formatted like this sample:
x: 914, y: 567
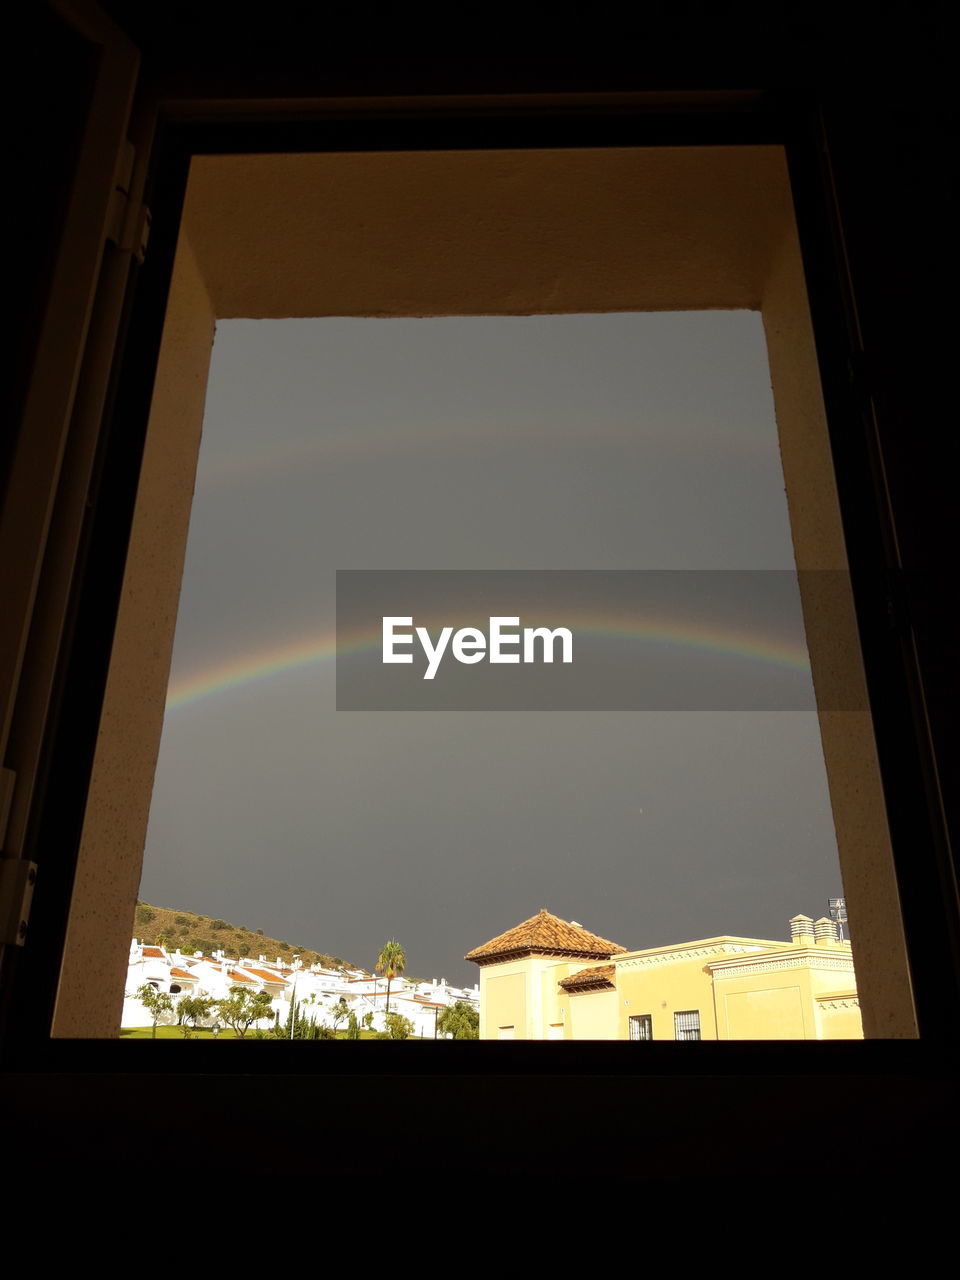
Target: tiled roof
x: 238, y: 977
x: 264, y: 976
x: 545, y: 934
x: 181, y: 973
x: 154, y: 953
x: 599, y: 978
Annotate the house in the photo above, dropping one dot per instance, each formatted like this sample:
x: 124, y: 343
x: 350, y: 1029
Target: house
x: 317, y: 991
x: 541, y: 981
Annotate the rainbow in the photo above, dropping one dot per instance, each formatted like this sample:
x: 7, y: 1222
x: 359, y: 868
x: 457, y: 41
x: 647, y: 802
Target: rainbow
x: 467, y: 439
x: 235, y: 673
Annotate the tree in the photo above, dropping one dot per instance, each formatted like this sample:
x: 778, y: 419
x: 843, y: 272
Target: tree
x: 338, y: 1012
x: 398, y: 1027
x: 391, y: 961
x: 353, y: 1027
x: 302, y: 1026
x: 190, y: 1010
x: 156, y: 1003
x: 459, y: 1021
x: 242, y: 1008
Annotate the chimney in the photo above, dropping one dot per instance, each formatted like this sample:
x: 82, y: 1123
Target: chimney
x: 802, y: 931
x: 825, y: 932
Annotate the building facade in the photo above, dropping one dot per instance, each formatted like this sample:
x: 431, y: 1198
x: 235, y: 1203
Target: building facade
x: 551, y: 979
x: 316, y: 990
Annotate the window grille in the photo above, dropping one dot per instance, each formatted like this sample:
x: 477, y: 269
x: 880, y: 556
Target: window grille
x: 641, y: 1026
x: 687, y: 1025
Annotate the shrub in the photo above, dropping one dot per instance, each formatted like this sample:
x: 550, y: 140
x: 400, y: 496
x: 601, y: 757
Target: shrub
x: 219, y: 924
x: 398, y: 1027
x: 180, y: 920
x: 145, y: 914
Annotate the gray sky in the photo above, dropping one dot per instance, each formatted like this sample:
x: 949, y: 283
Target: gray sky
x: 562, y: 442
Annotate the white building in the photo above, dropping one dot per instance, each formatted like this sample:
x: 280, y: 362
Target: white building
x: 316, y: 990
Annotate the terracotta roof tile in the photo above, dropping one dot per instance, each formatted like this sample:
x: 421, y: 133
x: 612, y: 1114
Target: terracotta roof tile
x: 599, y: 978
x: 264, y: 976
x: 545, y: 933
x: 180, y: 973
x: 238, y: 977
x: 155, y: 953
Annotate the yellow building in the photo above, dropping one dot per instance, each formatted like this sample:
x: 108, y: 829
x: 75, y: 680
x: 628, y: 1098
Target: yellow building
x: 552, y: 979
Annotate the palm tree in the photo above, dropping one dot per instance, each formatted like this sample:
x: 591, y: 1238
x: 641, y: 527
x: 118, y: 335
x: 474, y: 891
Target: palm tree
x: 391, y: 961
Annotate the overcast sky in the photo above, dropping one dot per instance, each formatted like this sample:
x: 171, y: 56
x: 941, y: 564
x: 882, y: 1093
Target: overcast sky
x: 561, y: 442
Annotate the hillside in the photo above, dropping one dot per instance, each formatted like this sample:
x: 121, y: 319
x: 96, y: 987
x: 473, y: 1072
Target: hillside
x: 191, y: 932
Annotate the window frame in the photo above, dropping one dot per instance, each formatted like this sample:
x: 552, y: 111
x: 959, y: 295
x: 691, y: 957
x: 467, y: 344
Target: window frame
x: 59, y: 807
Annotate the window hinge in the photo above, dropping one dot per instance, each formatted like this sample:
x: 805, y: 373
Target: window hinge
x: 129, y: 227
x: 17, y: 878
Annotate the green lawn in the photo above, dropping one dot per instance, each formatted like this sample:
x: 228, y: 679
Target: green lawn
x: 172, y: 1033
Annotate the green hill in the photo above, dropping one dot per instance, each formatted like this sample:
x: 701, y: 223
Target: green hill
x: 190, y: 932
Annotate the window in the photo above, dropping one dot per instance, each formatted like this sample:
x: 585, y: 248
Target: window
x: 891, y: 186
x: 231, y: 187
x: 641, y: 1026
x: 686, y: 1025
x: 894, y: 987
